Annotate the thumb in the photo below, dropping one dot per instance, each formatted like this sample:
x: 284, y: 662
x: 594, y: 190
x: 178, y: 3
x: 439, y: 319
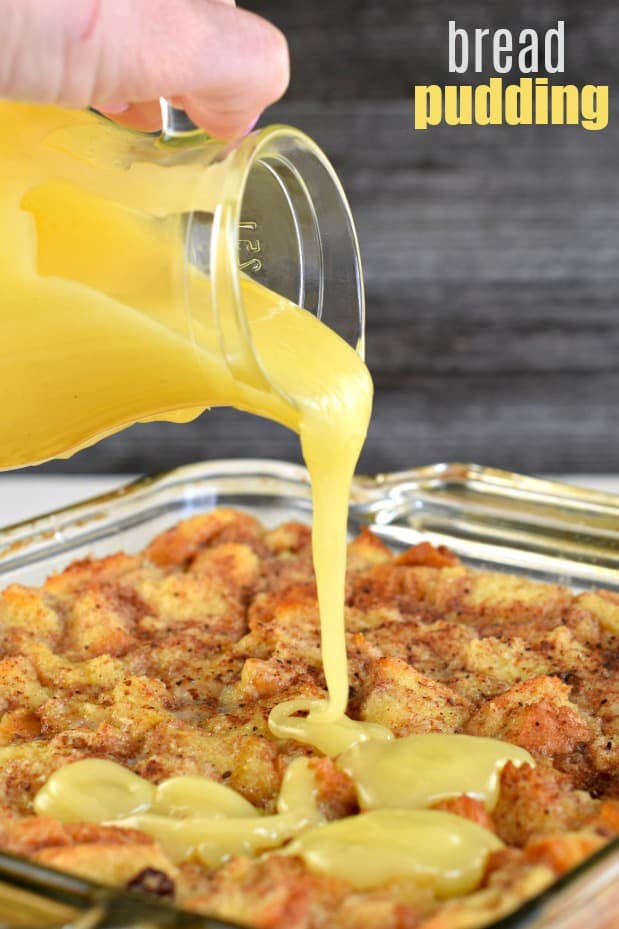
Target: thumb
x: 225, y: 65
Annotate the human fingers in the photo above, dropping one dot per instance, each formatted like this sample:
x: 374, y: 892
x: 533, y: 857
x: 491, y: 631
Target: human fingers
x: 145, y: 116
x: 225, y: 64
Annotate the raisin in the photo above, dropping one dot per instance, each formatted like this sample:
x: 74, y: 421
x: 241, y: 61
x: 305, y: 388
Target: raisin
x: 152, y: 881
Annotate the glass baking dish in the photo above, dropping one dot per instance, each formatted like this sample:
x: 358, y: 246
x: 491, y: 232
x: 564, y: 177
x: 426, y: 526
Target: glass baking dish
x: 491, y: 519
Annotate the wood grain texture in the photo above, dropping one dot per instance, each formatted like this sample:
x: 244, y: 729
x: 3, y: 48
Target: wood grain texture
x: 491, y: 255
x: 360, y: 49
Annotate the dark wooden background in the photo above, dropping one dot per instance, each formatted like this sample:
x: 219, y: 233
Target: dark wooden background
x: 491, y: 255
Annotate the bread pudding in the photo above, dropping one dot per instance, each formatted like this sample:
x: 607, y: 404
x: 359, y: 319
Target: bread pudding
x: 169, y: 663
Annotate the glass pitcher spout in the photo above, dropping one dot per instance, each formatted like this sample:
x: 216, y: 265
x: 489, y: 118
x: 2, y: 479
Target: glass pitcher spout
x: 282, y: 220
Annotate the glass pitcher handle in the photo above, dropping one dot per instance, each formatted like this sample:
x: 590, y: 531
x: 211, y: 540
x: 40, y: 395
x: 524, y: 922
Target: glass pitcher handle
x: 176, y: 125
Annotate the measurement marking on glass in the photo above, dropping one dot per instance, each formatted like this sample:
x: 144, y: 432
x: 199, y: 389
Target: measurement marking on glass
x: 249, y: 245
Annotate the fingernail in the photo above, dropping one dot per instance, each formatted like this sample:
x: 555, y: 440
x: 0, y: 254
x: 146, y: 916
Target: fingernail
x: 252, y: 125
x: 113, y: 108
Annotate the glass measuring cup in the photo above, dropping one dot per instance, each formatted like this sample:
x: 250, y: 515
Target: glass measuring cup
x: 169, y: 227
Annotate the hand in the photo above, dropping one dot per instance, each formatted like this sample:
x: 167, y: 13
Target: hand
x: 221, y: 64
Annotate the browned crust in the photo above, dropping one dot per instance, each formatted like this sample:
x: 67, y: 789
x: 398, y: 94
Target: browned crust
x: 169, y: 662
